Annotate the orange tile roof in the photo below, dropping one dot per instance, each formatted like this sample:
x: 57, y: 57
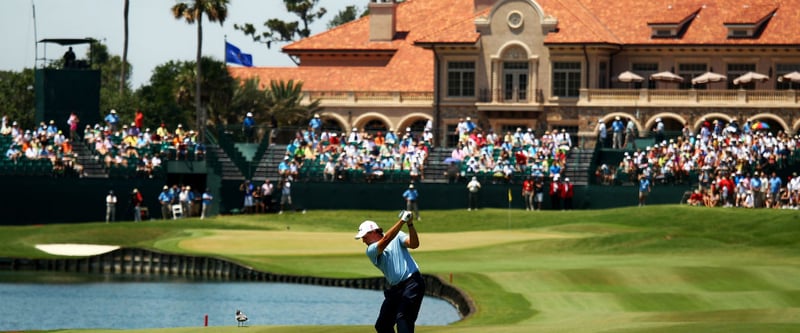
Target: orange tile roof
x: 619, y: 22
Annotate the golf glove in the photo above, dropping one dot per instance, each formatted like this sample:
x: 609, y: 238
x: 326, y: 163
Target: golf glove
x: 405, y: 215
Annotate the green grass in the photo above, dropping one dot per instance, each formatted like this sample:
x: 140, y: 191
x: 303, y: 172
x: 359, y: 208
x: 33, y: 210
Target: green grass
x: 652, y: 269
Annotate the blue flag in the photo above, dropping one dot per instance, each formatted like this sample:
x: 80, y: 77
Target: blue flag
x: 235, y: 56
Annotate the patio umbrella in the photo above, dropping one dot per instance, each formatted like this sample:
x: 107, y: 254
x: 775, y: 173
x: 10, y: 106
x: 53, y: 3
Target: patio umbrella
x: 628, y: 76
x: 750, y: 77
x: 666, y: 77
x: 791, y: 77
x: 708, y: 77
x: 760, y: 125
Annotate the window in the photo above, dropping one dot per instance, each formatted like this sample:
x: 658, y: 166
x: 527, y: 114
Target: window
x: 461, y: 79
x: 664, y: 32
x: 602, y: 73
x: 645, y: 70
x: 690, y: 71
x: 515, y: 81
x: 783, y: 69
x: 566, y: 79
x: 736, y: 70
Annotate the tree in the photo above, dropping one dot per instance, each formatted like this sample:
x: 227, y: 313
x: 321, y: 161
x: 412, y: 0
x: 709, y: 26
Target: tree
x: 215, y: 10
x: 284, y: 100
x: 112, y: 73
x: 286, y: 31
x: 122, y: 74
x: 350, y: 13
x: 17, y: 97
x: 247, y: 97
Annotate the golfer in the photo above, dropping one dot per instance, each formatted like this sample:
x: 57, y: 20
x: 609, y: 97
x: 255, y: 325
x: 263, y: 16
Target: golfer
x: 389, y: 253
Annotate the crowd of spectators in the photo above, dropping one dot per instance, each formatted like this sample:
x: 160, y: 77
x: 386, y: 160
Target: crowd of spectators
x: 338, y: 156
x: 503, y: 157
x: 371, y: 156
x: 140, y: 150
x: 127, y: 150
x: 731, y: 164
x: 45, y: 143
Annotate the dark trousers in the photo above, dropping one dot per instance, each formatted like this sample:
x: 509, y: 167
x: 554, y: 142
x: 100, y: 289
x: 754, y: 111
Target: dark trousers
x: 555, y: 202
x: 401, y: 306
x: 473, y: 200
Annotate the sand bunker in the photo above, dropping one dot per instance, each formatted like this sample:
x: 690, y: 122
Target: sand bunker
x: 78, y: 250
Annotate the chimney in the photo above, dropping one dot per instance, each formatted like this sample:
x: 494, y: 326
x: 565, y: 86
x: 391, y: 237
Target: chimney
x: 382, y: 20
x: 483, y: 4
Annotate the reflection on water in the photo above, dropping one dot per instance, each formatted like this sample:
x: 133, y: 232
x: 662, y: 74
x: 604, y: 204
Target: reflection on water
x: 44, y: 301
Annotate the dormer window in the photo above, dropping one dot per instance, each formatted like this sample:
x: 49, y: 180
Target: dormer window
x: 673, y: 24
x: 740, y: 32
x: 748, y: 21
x: 665, y: 32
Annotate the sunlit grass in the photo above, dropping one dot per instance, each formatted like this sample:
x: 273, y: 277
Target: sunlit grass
x: 652, y: 269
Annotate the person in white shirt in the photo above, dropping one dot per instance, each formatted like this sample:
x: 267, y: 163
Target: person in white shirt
x: 111, y: 206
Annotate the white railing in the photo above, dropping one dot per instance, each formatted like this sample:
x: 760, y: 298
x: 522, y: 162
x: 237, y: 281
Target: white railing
x: 643, y: 97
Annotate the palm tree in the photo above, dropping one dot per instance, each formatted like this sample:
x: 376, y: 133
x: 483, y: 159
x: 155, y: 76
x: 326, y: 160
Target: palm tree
x: 125, y: 7
x: 285, y: 103
x: 216, y: 10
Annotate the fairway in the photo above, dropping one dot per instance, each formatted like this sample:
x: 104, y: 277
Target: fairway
x: 653, y: 269
x: 326, y: 243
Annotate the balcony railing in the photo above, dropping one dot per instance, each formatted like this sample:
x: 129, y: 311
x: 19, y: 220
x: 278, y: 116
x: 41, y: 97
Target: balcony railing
x: 329, y: 98
x: 644, y: 97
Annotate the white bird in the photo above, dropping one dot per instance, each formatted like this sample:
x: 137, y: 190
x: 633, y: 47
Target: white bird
x: 240, y: 318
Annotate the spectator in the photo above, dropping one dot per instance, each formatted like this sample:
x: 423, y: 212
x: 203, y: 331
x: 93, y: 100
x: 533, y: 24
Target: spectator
x: 165, y: 199
x: 567, y: 193
x: 473, y: 187
x: 412, y: 196
x: 286, y: 196
x: 247, y: 189
x: 248, y: 127
x: 69, y: 58
x: 112, y: 120
x: 207, y: 198
x: 644, y: 189
x: 136, y: 202
x: 111, y: 207
x: 187, y: 199
x: 555, y: 194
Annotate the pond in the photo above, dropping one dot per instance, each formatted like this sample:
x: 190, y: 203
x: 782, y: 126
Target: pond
x: 46, y: 301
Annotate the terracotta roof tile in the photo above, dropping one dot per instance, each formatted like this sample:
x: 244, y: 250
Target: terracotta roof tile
x: 622, y: 22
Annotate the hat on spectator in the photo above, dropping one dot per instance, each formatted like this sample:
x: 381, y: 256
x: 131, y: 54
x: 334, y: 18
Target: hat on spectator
x: 249, y: 114
x: 316, y: 115
x: 113, y: 111
x: 166, y: 187
x: 566, y: 179
x: 411, y: 186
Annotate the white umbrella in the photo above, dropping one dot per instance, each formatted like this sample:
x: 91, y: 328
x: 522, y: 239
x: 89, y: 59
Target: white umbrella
x: 790, y: 77
x: 750, y: 77
x: 709, y: 77
x: 666, y: 77
x: 628, y: 76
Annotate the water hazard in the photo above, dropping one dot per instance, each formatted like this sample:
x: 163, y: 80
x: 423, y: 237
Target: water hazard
x: 46, y: 301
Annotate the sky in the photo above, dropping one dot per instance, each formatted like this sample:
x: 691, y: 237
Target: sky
x: 155, y: 36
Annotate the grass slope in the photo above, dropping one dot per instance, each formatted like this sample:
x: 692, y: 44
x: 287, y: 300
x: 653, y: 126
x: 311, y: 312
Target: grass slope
x: 652, y: 269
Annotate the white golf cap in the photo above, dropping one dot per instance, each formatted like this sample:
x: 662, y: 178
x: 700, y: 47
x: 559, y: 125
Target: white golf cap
x: 366, y: 227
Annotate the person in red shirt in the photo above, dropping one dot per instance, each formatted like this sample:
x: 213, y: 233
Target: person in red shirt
x: 138, y: 119
x: 567, y: 192
x: 527, y: 193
